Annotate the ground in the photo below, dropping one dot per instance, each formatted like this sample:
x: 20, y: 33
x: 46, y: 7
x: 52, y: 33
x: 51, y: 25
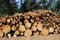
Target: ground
x: 49, y: 37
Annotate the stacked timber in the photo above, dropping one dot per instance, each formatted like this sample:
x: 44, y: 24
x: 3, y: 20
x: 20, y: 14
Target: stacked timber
x: 33, y: 23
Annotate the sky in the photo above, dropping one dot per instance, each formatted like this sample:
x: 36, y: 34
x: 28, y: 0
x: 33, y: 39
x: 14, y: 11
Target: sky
x: 19, y: 3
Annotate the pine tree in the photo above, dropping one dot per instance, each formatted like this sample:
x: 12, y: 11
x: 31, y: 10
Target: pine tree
x: 57, y: 6
x: 43, y: 4
x: 3, y: 8
x: 29, y: 5
x: 11, y: 7
x: 7, y: 8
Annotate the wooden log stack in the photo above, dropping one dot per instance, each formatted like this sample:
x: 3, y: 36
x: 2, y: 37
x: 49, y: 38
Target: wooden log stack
x: 33, y: 23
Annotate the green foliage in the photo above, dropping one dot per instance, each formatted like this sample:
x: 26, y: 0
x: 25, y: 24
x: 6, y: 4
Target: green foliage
x: 29, y: 6
x: 43, y: 3
x: 12, y: 9
x: 3, y: 8
x: 57, y: 6
x: 7, y: 8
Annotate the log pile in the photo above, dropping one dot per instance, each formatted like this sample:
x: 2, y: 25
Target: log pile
x: 33, y: 23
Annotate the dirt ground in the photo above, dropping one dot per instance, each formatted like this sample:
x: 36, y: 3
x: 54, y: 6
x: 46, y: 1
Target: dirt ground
x: 49, y: 37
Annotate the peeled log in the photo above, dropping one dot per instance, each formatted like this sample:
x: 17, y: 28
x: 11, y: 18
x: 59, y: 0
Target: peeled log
x: 1, y: 33
x: 28, y: 33
x: 44, y: 32
x: 21, y: 28
x: 6, y: 29
x: 51, y: 29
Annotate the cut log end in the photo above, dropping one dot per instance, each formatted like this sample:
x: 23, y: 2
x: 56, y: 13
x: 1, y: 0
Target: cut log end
x: 34, y: 28
x: 28, y: 33
x: 51, y: 29
x: 44, y: 32
x: 17, y: 32
x: 9, y: 35
x: 6, y: 29
x: 14, y: 28
x: 1, y: 34
x: 36, y: 33
x: 21, y: 28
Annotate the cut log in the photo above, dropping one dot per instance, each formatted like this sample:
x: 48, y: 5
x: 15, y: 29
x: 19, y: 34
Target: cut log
x: 15, y: 35
x: 17, y: 25
x: 48, y: 14
x: 27, y: 25
x: 31, y: 20
x: 14, y: 28
x: 1, y: 33
x: 26, y: 21
x: 21, y: 34
x: 6, y: 29
x: 36, y: 33
x: 2, y: 19
x: 35, y: 24
x: 17, y: 32
x: 44, y: 32
x: 59, y: 31
x: 13, y: 22
x: 37, y: 19
x: 1, y: 24
x: 27, y: 17
x: 20, y: 23
x: 34, y: 28
x: 21, y: 28
x: 8, y: 20
x: 56, y: 31
x: 28, y: 33
x: 51, y: 29
x: 9, y: 35
x: 39, y: 26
